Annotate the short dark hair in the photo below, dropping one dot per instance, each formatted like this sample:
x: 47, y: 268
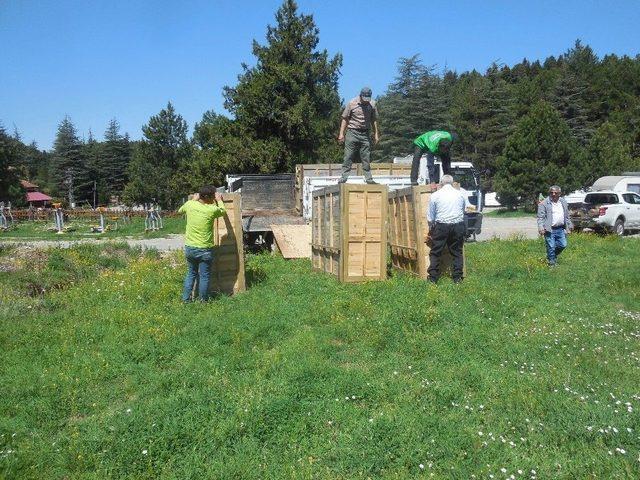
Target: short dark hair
x: 444, y: 145
x: 207, y: 191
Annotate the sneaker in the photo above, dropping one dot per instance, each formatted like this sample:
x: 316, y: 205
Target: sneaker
x: 371, y: 182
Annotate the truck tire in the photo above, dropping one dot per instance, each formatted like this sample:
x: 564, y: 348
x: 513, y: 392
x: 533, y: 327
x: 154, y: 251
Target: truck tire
x: 618, y: 227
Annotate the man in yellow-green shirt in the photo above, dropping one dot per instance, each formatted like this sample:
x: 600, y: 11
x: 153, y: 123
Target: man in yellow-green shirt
x: 201, y: 211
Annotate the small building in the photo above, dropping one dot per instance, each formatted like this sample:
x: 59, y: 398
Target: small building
x: 33, y: 197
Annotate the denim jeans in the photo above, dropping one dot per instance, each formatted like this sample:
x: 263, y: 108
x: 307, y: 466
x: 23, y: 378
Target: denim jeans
x: 199, y: 262
x: 556, y: 242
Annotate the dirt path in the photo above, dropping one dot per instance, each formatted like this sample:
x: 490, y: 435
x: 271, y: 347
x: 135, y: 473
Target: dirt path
x: 170, y: 242
x: 503, y: 228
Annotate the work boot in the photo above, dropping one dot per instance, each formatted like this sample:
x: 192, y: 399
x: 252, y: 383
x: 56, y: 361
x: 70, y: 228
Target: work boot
x: 342, y: 180
x: 371, y: 182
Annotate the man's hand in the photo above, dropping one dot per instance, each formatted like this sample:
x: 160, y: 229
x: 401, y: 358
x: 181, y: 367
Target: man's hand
x: 541, y: 231
x: 341, y: 138
x: 218, y: 197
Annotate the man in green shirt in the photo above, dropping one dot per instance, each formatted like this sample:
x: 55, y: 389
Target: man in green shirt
x: 201, y: 211
x: 433, y: 143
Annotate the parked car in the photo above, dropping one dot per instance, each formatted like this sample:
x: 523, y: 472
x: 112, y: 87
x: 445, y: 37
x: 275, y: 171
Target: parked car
x: 607, y: 211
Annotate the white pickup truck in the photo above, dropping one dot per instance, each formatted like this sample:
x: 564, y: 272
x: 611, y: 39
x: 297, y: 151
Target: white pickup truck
x: 607, y: 211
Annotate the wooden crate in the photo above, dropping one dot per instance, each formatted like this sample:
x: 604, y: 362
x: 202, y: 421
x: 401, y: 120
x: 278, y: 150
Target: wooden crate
x: 390, y: 169
x: 227, y: 275
x: 315, y: 170
x: 349, y: 234
x: 408, y: 231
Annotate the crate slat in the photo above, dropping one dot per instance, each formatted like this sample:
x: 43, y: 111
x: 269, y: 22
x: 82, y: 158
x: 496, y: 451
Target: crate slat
x: 408, y: 231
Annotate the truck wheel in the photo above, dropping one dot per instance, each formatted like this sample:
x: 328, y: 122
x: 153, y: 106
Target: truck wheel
x: 618, y: 227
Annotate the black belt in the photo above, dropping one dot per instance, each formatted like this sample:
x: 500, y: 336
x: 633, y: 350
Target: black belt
x: 558, y: 226
x: 361, y: 130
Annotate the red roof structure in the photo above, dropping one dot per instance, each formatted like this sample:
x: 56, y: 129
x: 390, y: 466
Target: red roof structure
x: 38, y: 197
x: 28, y: 186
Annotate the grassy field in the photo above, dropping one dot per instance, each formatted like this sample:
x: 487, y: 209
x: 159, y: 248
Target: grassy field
x: 519, y: 372
x: 39, y: 230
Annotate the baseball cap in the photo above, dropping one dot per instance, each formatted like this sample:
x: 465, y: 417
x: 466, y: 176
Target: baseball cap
x: 365, y: 93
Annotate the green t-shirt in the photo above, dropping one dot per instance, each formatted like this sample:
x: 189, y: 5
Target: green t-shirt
x: 200, y: 218
x: 431, y: 140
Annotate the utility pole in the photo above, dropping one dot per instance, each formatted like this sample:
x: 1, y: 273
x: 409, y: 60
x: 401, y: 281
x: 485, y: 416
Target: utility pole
x: 94, y: 194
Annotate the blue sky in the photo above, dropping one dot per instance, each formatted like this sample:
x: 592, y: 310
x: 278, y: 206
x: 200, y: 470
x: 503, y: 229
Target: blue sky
x: 96, y: 60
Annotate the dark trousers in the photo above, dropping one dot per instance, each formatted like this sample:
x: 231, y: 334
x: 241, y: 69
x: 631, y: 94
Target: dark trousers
x: 431, y: 167
x: 451, y: 236
x: 357, y: 142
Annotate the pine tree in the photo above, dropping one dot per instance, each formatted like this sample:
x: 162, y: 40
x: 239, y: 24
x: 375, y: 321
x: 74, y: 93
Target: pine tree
x: 116, y: 155
x: 157, y: 158
x: 68, y: 167
x: 574, y: 97
x: 288, y: 103
x: 609, y: 153
x: 10, y: 190
x: 540, y: 152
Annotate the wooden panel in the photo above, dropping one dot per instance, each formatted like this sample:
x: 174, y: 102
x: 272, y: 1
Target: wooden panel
x: 294, y: 241
x: 227, y: 275
x: 364, y: 232
x: 349, y: 231
x: 314, y: 170
x: 408, y: 231
x: 392, y: 169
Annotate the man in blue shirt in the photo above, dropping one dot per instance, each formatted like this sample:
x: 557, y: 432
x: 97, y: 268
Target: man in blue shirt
x: 446, y: 228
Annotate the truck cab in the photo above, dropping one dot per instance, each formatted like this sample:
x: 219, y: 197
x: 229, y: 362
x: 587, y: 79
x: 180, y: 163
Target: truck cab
x: 463, y: 173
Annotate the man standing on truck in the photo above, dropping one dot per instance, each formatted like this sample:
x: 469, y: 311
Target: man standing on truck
x: 358, y: 117
x: 434, y: 143
x: 446, y: 228
x: 554, y: 223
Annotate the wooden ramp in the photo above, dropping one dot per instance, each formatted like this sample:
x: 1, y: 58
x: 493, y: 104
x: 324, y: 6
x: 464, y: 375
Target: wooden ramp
x: 294, y: 241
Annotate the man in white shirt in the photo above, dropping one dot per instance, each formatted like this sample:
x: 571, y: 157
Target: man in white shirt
x: 446, y: 228
x: 554, y: 223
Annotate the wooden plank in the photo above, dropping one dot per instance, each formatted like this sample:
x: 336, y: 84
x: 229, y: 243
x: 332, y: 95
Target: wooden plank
x: 228, y: 262
x: 393, y: 169
x: 294, y: 241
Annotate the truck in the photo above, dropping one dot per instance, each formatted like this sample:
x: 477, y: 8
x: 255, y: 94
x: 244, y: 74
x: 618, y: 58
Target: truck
x: 285, y: 198
x: 607, y: 211
x: 267, y: 199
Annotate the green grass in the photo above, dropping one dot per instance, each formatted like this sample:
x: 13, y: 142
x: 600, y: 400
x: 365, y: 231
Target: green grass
x: 520, y: 367
x: 507, y: 213
x: 82, y: 229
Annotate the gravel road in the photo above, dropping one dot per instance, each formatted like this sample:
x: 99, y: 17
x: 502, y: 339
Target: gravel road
x: 492, y: 227
x: 503, y: 228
